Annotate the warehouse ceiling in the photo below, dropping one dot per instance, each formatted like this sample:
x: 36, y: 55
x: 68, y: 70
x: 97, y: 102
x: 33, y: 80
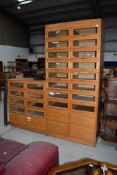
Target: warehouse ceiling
x: 41, y: 12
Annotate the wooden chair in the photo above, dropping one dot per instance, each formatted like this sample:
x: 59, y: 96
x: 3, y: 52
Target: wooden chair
x: 84, y: 166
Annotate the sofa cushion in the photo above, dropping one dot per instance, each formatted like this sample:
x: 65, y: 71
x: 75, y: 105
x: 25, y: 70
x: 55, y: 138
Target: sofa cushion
x: 9, y: 149
x: 2, y: 167
x: 37, y: 159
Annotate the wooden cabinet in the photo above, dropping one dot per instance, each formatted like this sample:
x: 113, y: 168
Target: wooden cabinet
x: 66, y: 104
x: 73, y: 59
x: 27, y: 104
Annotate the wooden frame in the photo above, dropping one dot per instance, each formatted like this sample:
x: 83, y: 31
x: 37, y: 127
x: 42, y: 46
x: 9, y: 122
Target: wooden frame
x: 78, y: 164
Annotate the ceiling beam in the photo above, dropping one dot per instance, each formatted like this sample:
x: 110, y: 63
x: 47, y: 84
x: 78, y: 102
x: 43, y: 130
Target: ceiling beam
x: 50, y: 9
x: 108, y: 2
x: 60, y: 15
x: 8, y: 3
x: 94, y: 4
x: 109, y: 14
x: 60, y: 12
x: 59, y: 21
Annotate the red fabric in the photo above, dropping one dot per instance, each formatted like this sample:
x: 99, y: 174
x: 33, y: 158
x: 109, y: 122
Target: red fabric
x: 37, y: 159
x: 1, y: 139
x: 9, y: 149
x: 2, y: 167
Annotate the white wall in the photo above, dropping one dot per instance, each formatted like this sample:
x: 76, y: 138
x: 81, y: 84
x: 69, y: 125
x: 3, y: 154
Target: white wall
x: 34, y: 57
x: 10, y: 53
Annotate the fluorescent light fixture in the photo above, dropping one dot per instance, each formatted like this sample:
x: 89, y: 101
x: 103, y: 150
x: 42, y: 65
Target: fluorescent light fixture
x: 18, y: 7
x: 20, y: 0
x: 25, y: 2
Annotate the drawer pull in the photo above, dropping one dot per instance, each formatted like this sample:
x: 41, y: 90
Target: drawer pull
x: 29, y: 119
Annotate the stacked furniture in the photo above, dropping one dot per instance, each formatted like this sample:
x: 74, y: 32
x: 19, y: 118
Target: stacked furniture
x: 73, y: 59
x: 109, y: 121
x: 71, y: 89
x: 27, y: 104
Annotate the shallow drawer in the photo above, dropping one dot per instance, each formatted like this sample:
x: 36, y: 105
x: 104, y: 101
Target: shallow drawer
x: 36, y: 123
x: 17, y: 119
x: 81, y: 119
x: 57, y: 129
x: 83, y: 134
x: 58, y: 115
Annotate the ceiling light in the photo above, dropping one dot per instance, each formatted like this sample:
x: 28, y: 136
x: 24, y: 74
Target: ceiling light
x: 20, y: 0
x: 25, y: 2
x: 18, y: 7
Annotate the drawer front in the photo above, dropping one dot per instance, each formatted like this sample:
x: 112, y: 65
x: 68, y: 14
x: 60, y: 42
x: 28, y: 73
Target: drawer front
x: 57, y: 129
x: 85, y: 135
x: 18, y: 120
x: 58, y: 115
x: 83, y: 120
x: 36, y: 123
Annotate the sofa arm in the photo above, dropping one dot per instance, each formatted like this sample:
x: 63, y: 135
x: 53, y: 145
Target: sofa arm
x: 2, y: 167
x: 37, y: 159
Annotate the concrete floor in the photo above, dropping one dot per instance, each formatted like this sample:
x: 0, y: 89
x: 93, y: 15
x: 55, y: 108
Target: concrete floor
x: 68, y: 151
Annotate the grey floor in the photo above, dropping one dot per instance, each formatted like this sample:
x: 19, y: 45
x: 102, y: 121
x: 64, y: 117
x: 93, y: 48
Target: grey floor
x: 68, y: 151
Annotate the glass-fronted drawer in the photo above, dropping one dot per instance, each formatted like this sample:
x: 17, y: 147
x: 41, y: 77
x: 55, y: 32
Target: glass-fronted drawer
x: 16, y: 85
x: 83, y: 87
x: 37, y: 113
x: 16, y: 109
x: 83, y: 97
x: 33, y: 94
x: 58, y: 33
x: 84, y: 76
x: 58, y: 75
x: 85, y: 65
x: 57, y: 44
x: 84, y: 43
x: 58, y: 95
x: 16, y: 93
x: 58, y: 55
x: 58, y: 85
x: 85, y: 31
x: 83, y: 108
x: 35, y: 86
x: 84, y: 54
x: 58, y: 104
x: 35, y: 104
x: 16, y: 101
x: 58, y: 65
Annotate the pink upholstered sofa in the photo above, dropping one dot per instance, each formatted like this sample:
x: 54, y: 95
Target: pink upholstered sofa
x: 34, y: 159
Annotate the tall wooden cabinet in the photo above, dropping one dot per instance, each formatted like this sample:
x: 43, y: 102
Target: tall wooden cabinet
x: 73, y: 59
